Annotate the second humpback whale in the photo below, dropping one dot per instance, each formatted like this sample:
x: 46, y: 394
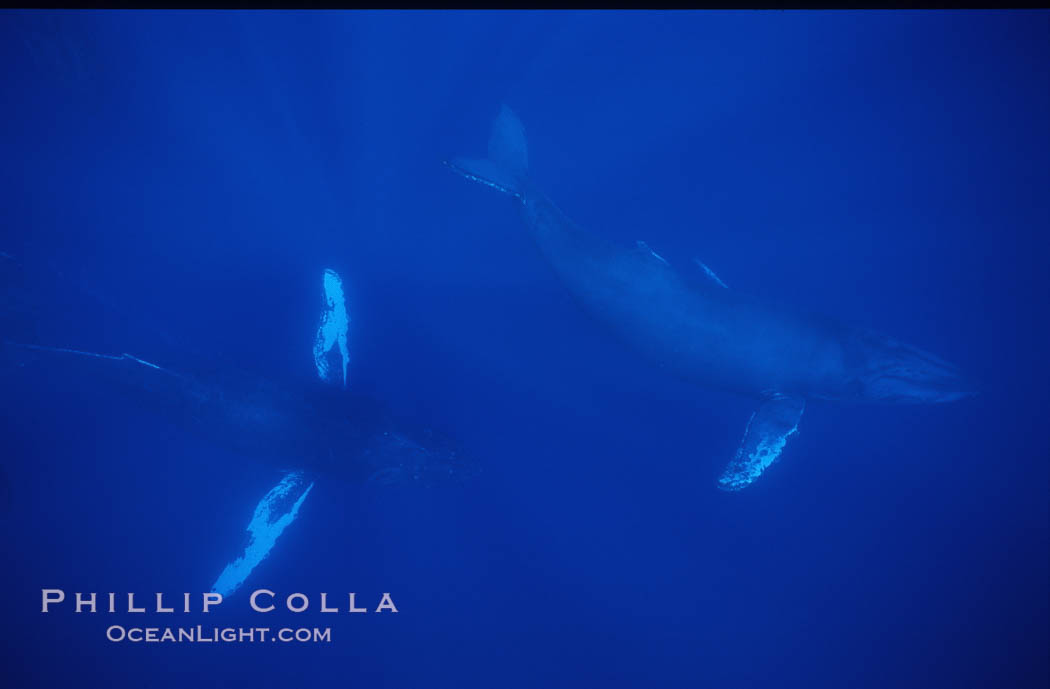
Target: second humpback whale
x: 309, y: 428
x: 707, y: 333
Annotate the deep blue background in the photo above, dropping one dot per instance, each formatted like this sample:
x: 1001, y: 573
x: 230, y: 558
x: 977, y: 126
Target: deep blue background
x: 192, y: 173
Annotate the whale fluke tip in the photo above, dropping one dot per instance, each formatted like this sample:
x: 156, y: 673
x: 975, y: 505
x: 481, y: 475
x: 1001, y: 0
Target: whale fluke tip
x: 507, y: 145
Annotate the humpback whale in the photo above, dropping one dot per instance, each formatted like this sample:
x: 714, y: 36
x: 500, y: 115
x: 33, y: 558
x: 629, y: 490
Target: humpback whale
x: 314, y: 425
x: 705, y: 332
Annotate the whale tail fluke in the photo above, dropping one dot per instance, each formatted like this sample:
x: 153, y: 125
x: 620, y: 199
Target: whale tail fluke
x: 507, y: 145
x: 508, y: 157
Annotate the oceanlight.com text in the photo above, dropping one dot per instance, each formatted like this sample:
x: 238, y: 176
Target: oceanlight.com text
x: 200, y: 634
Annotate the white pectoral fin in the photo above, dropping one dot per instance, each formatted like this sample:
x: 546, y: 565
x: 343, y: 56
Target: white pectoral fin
x: 273, y: 514
x: 764, y: 438
x: 332, y: 332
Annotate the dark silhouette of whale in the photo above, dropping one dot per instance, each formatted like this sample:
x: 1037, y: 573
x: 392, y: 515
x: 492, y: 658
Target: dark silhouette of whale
x: 707, y: 333
x: 308, y: 428
x: 320, y: 429
x: 315, y: 424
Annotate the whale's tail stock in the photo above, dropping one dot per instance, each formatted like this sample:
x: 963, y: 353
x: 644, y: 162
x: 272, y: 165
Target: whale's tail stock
x: 507, y: 163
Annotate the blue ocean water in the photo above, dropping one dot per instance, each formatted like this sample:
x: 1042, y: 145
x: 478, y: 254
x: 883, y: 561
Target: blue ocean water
x: 183, y: 178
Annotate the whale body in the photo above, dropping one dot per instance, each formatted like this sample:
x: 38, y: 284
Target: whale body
x: 706, y: 333
x: 317, y: 425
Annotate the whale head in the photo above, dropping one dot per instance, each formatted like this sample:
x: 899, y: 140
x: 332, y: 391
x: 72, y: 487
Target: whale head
x: 430, y: 461
x: 893, y: 372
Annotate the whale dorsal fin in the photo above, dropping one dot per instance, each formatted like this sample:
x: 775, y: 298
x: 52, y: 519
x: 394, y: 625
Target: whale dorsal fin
x: 764, y: 438
x: 710, y: 273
